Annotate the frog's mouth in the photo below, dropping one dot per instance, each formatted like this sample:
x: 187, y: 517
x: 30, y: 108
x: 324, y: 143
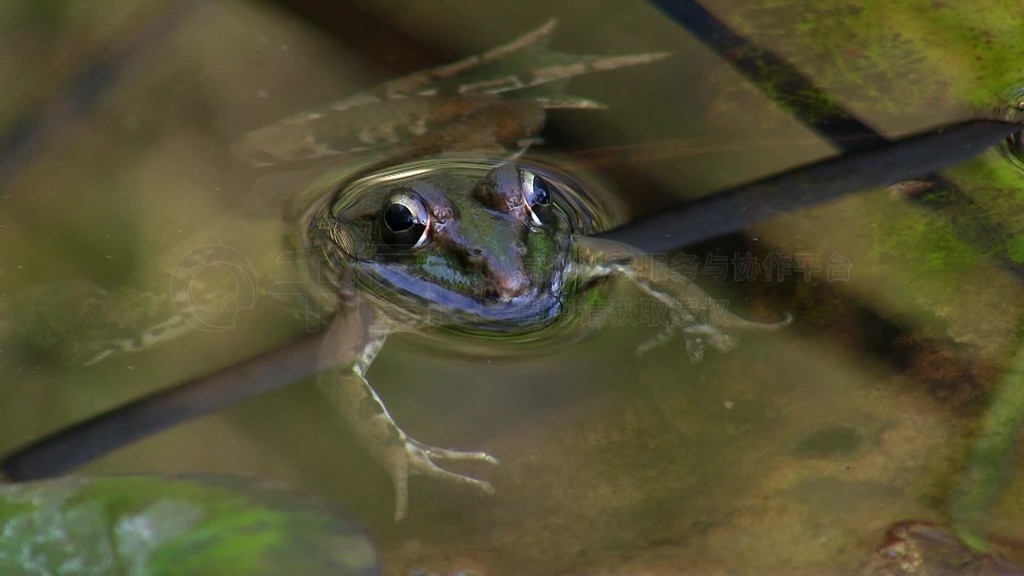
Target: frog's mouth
x: 524, y: 312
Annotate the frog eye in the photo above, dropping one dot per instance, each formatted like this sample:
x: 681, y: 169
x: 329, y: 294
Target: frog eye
x: 537, y: 196
x: 405, y: 220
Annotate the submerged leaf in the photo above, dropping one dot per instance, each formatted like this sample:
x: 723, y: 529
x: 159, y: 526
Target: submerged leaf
x: 137, y: 525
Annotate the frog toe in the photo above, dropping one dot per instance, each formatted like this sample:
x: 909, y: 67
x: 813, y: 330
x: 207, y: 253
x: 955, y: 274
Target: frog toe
x: 435, y: 453
x: 749, y: 325
x: 434, y: 471
x: 696, y: 336
x: 657, y: 340
x: 418, y: 458
x: 706, y: 333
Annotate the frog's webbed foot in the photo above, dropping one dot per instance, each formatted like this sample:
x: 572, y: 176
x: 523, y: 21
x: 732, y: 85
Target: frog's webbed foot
x: 696, y: 339
x: 399, y: 454
x: 701, y: 320
x: 389, y: 445
x: 414, y: 457
x: 348, y: 349
x: 698, y: 335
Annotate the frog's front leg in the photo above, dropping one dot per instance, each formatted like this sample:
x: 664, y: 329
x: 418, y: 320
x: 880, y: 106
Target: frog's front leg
x: 347, y: 352
x: 700, y: 319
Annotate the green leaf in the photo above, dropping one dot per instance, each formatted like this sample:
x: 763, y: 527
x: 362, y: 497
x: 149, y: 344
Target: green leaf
x: 152, y: 526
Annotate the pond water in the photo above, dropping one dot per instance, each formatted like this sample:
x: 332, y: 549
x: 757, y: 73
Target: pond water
x: 793, y: 453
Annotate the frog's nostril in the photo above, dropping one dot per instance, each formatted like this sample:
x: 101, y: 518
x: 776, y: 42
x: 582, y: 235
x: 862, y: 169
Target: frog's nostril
x: 475, y: 256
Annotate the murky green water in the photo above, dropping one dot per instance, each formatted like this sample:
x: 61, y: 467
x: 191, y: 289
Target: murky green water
x: 791, y: 454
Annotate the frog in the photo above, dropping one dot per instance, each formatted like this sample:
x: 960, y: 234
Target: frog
x: 478, y: 246
x: 433, y: 216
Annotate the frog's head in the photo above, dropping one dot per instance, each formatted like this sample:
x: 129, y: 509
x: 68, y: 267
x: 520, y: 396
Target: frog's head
x: 490, y: 237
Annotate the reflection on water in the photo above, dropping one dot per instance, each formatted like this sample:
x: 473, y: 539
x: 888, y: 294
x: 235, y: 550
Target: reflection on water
x: 794, y: 453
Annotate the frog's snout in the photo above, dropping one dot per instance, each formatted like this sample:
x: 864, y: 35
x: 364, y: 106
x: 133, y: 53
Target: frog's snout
x: 504, y: 278
x: 507, y: 284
